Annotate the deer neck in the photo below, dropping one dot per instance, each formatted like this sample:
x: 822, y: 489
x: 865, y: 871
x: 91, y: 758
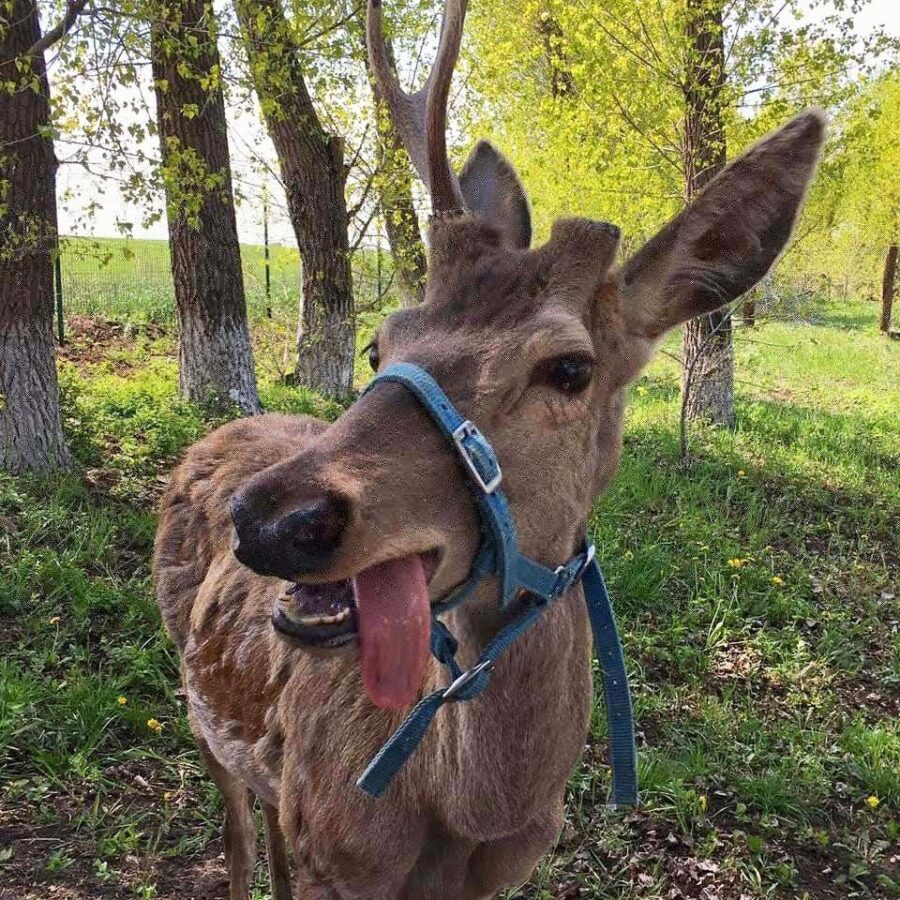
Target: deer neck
x: 513, y: 747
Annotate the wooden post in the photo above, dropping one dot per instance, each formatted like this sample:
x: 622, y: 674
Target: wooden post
x: 748, y: 308
x: 887, y: 288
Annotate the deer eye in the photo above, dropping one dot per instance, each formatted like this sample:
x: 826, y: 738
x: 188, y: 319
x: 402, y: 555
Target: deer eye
x: 374, y: 358
x: 570, y: 374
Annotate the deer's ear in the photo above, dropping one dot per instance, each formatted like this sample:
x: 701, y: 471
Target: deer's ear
x: 728, y: 238
x: 491, y: 188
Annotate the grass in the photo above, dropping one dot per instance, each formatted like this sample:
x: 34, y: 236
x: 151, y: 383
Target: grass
x: 756, y: 591
x: 130, y: 280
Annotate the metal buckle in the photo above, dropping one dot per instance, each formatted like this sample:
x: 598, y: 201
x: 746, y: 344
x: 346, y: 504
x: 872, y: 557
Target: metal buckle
x: 468, y: 429
x: 467, y: 677
x: 588, y: 558
x: 589, y: 555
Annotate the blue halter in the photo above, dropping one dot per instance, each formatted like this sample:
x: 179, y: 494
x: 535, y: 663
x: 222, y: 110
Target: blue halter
x: 499, y: 555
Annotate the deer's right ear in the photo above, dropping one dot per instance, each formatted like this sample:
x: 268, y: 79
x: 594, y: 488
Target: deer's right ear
x: 729, y: 237
x: 491, y: 188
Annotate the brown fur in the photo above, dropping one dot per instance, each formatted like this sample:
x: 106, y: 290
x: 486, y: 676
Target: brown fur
x: 482, y: 799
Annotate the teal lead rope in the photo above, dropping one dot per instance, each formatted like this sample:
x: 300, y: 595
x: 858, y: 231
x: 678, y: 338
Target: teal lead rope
x: 499, y: 555
x: 619, y: 712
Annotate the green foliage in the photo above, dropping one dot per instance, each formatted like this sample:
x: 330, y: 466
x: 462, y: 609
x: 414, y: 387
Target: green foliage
x: 590, y: 101
x: 551, y: 89
x: 128, y: 425
x: 857, y: 197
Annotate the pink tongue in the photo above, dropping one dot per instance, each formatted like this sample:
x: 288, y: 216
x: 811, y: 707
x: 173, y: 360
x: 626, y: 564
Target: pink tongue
x: 394, y: 630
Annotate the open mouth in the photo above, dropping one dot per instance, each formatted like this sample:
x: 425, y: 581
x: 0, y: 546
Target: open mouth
x: 317, y: 615
x: 326, y: 615
x: 386, y: 607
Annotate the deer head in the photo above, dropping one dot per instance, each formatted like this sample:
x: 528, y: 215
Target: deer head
x: 535, y: 346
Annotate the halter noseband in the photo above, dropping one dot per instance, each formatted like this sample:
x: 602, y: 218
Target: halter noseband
x: 499, y: 555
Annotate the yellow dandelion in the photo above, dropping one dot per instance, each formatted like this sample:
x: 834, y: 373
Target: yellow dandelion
x: 736, y: 562
x: 742, y: 473
x: 121, y: 700
x: 55, y: 620
x: 873, y: 801
x: 776, y: 580
x: 155, y: 726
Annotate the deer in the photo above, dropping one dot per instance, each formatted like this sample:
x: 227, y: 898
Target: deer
x: 298, y: 563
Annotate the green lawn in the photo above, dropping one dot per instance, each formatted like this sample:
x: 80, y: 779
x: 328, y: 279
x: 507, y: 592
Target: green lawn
x: 756, y: 591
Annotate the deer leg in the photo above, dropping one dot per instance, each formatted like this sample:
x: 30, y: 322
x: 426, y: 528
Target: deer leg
x: 500, y: 863
x: 240, y: 828
x: 276, y: 853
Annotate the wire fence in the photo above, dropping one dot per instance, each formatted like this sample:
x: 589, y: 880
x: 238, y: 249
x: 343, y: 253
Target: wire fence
x: 130, y: 280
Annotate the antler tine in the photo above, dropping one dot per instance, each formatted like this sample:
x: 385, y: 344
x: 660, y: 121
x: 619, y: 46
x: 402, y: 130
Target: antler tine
x: 445, y: 192
x: 406, y: 110
x: 421, y: 117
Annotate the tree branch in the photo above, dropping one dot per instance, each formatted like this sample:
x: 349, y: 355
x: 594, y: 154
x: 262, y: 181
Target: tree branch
x: 663, y: 153
x: 74, y: 8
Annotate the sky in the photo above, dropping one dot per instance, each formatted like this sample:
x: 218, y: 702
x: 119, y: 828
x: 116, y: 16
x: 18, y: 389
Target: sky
x: 882, y: 12
x: 247, y: 139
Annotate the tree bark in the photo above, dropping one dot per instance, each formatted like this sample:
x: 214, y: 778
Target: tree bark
x: 888, y: 285
x: 401, y: 222
x: 562, y: 84
x: 394, y: 186
x: 314, y: 175
x: 707, y: 390
x: 31, y: 437
x: 215, y: 354
x: 393, y: 183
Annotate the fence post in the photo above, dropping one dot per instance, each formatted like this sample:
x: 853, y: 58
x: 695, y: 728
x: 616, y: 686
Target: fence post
x: 265, y: 200
x: 57, y: 268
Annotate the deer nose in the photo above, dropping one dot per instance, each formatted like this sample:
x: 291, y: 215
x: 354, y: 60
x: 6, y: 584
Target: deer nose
x: 300, y: 542
x: 313, y: 530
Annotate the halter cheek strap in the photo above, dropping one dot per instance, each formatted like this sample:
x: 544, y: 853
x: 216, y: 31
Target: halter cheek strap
x: 499, y: 555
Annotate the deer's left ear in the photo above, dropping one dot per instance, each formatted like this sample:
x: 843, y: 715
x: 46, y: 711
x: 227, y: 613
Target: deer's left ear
x: 728, y: 238
x: 491, y: 188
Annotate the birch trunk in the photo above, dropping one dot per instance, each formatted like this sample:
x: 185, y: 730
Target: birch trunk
x: 31, y: 437
x: 215, y: 355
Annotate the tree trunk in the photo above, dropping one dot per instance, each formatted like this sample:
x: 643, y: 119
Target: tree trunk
x: 314, y: 175
x: 562, y: 84
x: 31, y: 435
x: 393, y: 183
x: 215, y: 355
x: 888, y: 284
x: 707, y: 390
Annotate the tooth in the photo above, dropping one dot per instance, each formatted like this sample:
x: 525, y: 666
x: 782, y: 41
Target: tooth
x: 338, y: 617
x: 315, y: 621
